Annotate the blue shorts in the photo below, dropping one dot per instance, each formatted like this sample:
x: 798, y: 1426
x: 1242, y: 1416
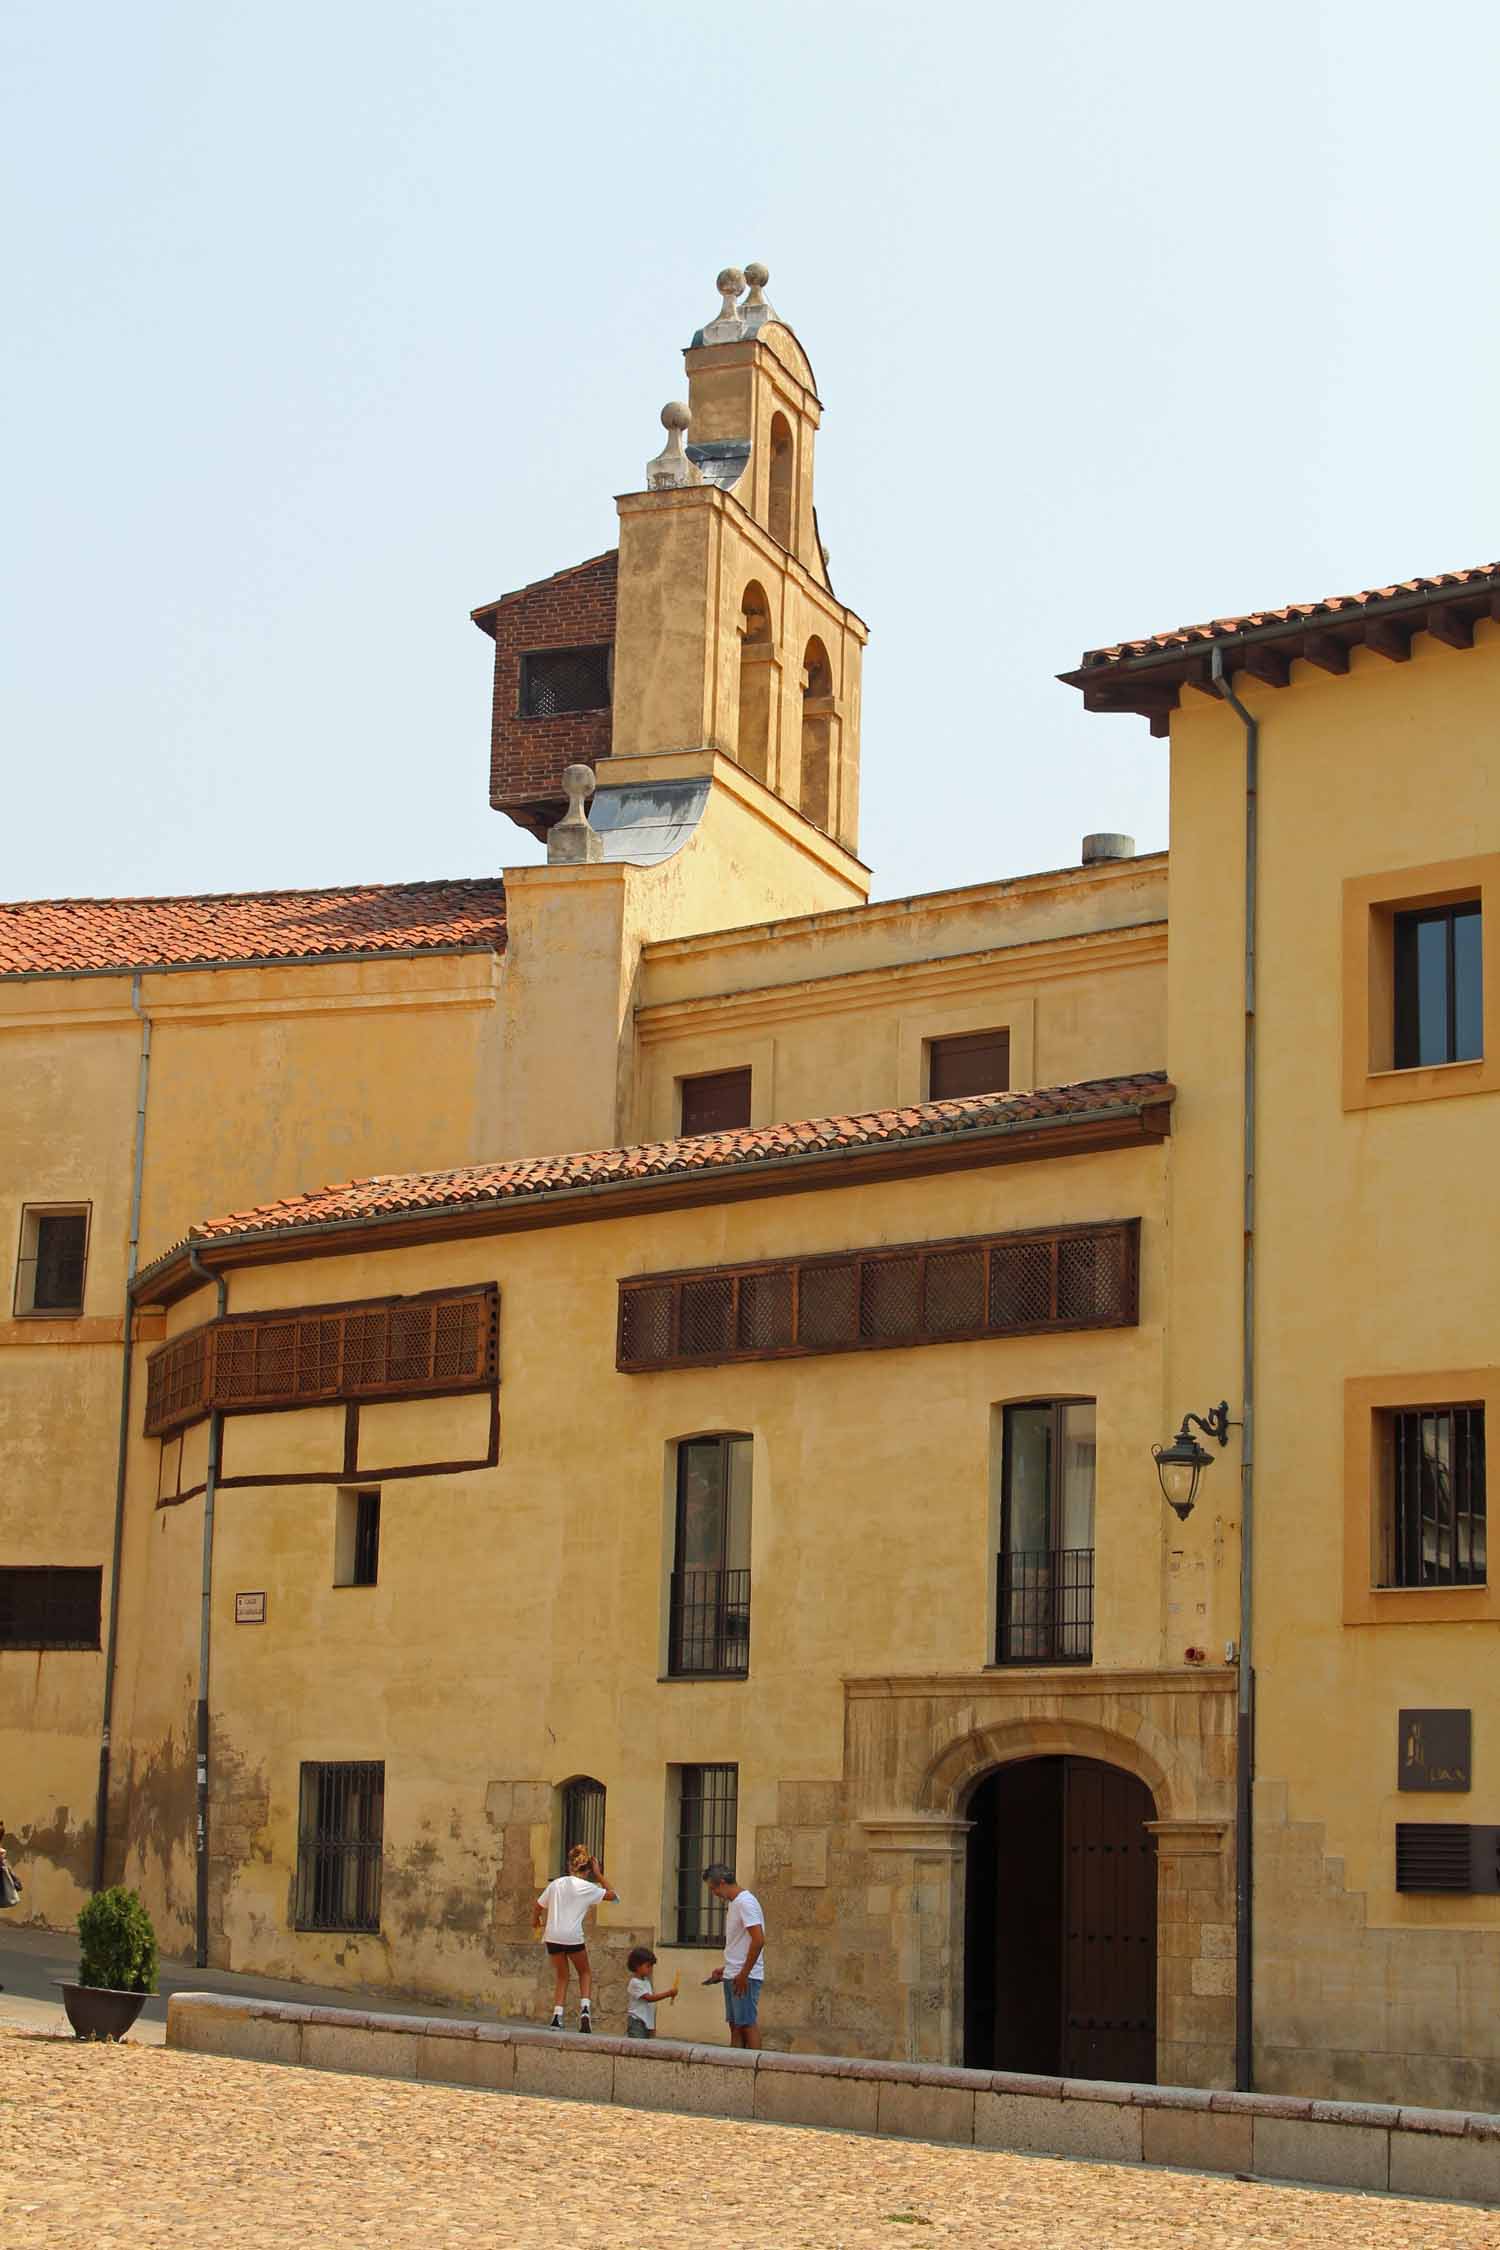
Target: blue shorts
x: 742, y: 2009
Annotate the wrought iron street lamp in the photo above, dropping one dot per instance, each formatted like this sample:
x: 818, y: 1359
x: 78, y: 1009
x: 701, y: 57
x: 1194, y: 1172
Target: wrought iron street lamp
x: 1180, y: 1464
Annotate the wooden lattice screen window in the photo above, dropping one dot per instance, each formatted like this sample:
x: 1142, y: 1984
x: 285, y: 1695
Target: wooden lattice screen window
x: 882, y: 1299
x: 389, y: 1347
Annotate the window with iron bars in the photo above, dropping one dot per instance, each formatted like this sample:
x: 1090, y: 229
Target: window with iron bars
x: 707, y: 1811
x: 1044, y: 1598
x: 582, y: 1819
x: 340, y: 1834
x: 710, y: 1595
x: 50, y: 1607
x: 1435, y: 1481
x: 555, y: 681
x: 51, y: 1261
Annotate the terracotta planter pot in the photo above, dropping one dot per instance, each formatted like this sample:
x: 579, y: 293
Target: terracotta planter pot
x: 95, y: 2012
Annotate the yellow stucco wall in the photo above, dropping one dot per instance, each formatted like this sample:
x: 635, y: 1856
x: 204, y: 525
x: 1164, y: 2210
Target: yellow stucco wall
x: 514, y: 1638
x: 1376, y: 1232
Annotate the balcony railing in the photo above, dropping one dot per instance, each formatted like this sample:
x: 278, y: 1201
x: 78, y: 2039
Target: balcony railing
x: 710, y: 1623
x: 1044, y: 1606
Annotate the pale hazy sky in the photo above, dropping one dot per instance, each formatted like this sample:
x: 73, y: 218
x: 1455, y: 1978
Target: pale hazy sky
x: 329, y: 322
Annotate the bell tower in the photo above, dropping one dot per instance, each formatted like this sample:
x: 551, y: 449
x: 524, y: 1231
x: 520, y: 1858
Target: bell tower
x: 714, y: 626
x: 728, y: 632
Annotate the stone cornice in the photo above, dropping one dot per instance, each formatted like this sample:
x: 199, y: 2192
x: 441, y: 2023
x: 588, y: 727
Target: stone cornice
x: 1027, y: 961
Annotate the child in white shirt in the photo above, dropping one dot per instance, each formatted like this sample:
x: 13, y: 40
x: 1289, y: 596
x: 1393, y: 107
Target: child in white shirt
x: 640, y: 2000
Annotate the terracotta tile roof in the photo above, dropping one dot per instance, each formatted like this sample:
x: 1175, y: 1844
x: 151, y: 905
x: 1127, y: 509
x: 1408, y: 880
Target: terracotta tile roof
x: 417, y: 1192
x: 1335, y: 606
x: 67, y: 936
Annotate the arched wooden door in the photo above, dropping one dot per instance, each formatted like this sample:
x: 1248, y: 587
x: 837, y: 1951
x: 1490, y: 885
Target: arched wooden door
x: 1060, y: 1963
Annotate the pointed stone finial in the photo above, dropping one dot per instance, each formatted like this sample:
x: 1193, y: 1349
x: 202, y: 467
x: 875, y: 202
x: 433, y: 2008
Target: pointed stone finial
x: 726, y: 327
x: 757, y: 309
x: 572, y: 842
x: 671, y: 466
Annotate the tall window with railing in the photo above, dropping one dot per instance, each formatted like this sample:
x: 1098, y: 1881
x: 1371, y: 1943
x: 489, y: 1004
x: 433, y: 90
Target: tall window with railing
x: 1044, y: 1594
x: 709, y: 1626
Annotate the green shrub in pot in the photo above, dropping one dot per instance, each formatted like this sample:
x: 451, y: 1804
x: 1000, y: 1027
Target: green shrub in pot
x: 117, y: 1945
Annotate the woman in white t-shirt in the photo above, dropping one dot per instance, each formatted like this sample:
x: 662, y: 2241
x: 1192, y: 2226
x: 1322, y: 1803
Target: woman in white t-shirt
x: 559, y: 1913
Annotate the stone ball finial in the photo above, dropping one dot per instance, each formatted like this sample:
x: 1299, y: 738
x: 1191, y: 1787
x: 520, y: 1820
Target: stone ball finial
x: 578, y: 783
x: 757, y: 275
x: 730, y: 282
x: 675, y: 416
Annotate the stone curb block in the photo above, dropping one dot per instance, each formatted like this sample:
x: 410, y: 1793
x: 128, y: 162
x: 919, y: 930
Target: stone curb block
x: 1425, y: 2152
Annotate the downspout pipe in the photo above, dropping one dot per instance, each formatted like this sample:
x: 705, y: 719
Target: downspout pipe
x: 122, y: 1447
x: 1244, y: 1766
x: 205, y: 1621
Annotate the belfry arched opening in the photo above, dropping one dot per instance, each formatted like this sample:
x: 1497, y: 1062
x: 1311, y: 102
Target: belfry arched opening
x: 1060, y: 1922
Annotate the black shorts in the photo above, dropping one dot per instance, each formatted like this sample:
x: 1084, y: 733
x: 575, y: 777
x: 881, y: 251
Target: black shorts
x: 568, y: 1949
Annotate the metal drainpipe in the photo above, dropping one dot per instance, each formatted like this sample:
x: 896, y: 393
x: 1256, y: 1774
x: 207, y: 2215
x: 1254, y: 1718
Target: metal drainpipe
x: 1244, y: 1866
x: 210, y: 1489
x: 127, y: 1363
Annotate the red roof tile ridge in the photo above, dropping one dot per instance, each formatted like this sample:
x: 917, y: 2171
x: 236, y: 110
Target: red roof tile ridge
x: 253, y: 898
x: 1221, y: 628
x: 392, y: 1194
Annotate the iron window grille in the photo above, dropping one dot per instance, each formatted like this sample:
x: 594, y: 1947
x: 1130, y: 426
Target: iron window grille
x: 977, y: 1062
x: 555, y: 681
x: 884, y: 1299
x: 1439, y: 985
x: 340, y: 1835
x: 582, y: 1819
x: 446, y: 1341
x: 51, y: 1262
x: 1437, y: 1497
x: 1044, y: 1589
x: 709, y: 1620
x: 706, y: 1821
x: 716, y: 1102
x: 49, y: 1606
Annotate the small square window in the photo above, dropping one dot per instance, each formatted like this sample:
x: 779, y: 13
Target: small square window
x: 50, y: 1607
x: 1433, y: 1517
x: 555, y: 681
x: 718, y: 1102
x: 53, y: 1255
x: 356, y: 1553
x: 977, y: 1062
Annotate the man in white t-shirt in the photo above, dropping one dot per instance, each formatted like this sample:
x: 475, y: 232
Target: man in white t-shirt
x: 559, y: 1911
x: 744, y: 1969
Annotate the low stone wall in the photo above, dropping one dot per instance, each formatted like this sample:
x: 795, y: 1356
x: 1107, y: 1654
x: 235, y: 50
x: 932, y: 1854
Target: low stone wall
x: 1454, y: 2154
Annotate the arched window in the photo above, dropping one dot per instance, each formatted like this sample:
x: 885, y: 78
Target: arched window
x: 753, y: 737
x: 817, y: 734
x: 783, y: 470
x: 582, y: 1819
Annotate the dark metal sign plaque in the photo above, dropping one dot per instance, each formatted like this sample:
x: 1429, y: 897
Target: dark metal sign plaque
x: 1434, y: 1750
x: 249, y: 1609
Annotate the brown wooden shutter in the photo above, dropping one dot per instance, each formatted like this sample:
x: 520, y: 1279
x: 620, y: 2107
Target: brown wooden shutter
x: 719, y: 1102
x: 976, y: 1063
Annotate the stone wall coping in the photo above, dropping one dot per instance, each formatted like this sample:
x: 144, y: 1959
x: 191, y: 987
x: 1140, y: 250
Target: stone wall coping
x: 1276, y: 2112
x: 1009, y: 1681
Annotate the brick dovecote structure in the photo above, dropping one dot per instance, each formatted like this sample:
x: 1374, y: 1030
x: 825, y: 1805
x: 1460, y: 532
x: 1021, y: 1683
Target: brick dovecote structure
x: 573, y: 609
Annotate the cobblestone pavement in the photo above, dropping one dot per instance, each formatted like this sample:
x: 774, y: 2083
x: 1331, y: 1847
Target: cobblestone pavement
x: 141, y: 2144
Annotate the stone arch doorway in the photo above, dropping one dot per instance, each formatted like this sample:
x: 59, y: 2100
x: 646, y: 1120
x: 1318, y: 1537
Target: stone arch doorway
x: 1060, y: 1921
